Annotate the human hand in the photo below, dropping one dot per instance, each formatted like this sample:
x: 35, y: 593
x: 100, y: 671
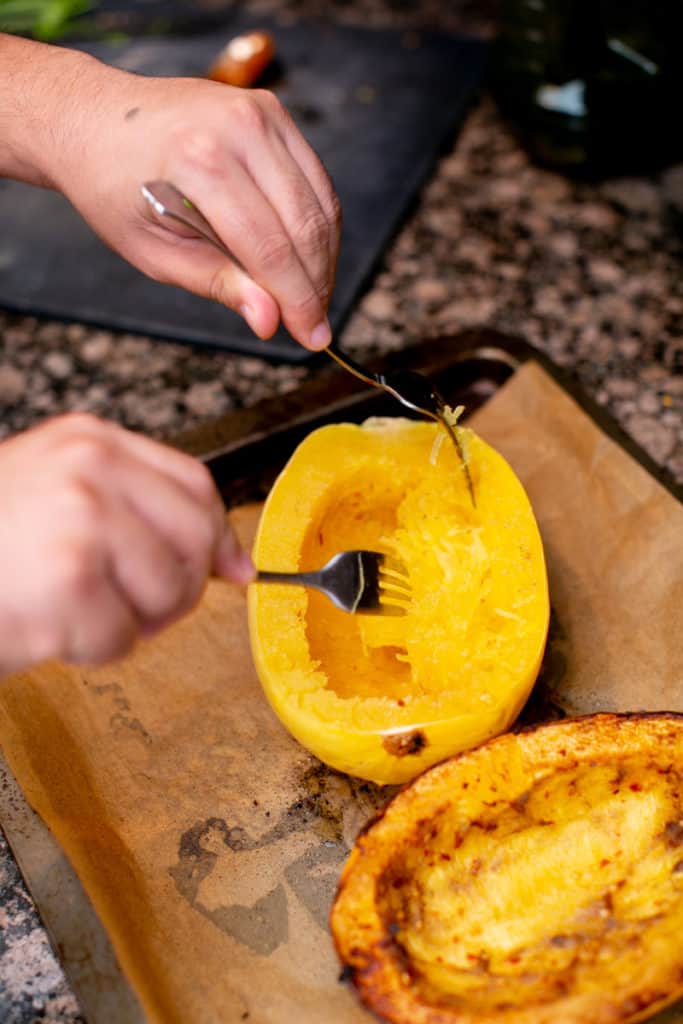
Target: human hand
x: 237, y: 155
x: 105, y: 536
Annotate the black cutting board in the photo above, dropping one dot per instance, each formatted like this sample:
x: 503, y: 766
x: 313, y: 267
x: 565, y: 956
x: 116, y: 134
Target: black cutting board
x: 378, y: 107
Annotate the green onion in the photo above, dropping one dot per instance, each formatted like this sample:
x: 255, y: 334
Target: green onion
x: 42, y: 19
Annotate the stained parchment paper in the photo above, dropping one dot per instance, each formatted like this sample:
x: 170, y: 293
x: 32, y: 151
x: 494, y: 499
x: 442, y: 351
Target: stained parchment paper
x: 210, y: 843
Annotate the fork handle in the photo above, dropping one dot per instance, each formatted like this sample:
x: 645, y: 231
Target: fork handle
x: 347, y: 363
x: 298, y: 579
x: 169, y: 204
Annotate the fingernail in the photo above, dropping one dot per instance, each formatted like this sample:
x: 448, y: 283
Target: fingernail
x: 321, y: 335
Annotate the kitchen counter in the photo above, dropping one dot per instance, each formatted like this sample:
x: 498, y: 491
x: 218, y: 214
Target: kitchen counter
x: 589, y: 273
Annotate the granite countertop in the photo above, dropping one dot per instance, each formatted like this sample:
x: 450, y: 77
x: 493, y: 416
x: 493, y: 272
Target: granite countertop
x: 589, y: 273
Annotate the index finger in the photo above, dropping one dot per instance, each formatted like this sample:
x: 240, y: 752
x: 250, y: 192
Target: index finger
x: 250, y: 227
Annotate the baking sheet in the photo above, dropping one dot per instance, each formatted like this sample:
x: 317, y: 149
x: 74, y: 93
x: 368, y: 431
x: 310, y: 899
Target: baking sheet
x: 210, y: 843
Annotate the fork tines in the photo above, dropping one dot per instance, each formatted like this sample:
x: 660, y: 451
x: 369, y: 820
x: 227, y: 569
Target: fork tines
x: 394, y: 585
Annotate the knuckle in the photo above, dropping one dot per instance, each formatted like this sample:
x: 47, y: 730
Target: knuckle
x: 333, y: 208
x: 86, y: 453
x: 84, y: 421
x: 202, y: 483
x: 219, y: 289
x: 274, y: 252
x: 117, y: 641
x: 164, y: 607
x: 306, y: 307
x: 79, y: 424
x: 202, y: 149
x: 249, y: 112
x: 75, y: 573
x: 312, y: 233
x: 82, y: 510
x: 329, y: 200
x: 268, y: 101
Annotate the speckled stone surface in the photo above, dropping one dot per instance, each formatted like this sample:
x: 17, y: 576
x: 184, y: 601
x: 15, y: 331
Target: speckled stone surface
x: 590, y: 273
x: 32, y: 985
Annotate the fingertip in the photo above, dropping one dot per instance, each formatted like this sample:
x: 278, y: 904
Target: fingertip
x: 261, y: 313
x: 233, y: 563
x: 320, y: 336
x: 242, y: 569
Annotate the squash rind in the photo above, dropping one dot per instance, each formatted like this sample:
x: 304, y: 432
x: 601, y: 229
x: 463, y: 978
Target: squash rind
x: 562, y: 896
x: 343, y: 475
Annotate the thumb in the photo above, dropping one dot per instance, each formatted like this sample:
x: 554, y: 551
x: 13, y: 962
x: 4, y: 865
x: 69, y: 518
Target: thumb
x: 231, y: 562
x: 192, y: 264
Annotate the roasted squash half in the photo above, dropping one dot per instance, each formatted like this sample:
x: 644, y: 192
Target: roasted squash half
x: 384, y: 697
x: 536, y: 879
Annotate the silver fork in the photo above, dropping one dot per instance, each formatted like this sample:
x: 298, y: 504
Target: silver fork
x: 365, y: 582
x: 411, y: 388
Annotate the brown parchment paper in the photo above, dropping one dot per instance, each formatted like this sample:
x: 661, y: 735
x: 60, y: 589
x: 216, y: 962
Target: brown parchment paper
x: 210, y: 843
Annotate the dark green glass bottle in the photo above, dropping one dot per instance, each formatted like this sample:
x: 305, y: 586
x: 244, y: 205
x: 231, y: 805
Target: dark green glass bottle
x: 594, y: 86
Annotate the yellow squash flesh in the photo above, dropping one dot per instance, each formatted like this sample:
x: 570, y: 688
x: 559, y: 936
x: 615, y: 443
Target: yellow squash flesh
x: 384, y: 697
x: 536, y: 880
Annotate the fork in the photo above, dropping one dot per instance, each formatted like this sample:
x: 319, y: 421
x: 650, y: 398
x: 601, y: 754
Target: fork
x: 364, y: 582
x: 412, y: 389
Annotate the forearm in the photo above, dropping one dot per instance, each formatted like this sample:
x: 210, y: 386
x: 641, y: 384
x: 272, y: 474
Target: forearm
x: 39, y: 107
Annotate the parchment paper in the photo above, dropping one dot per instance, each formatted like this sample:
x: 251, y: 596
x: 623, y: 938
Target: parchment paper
x: 210, y: 843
